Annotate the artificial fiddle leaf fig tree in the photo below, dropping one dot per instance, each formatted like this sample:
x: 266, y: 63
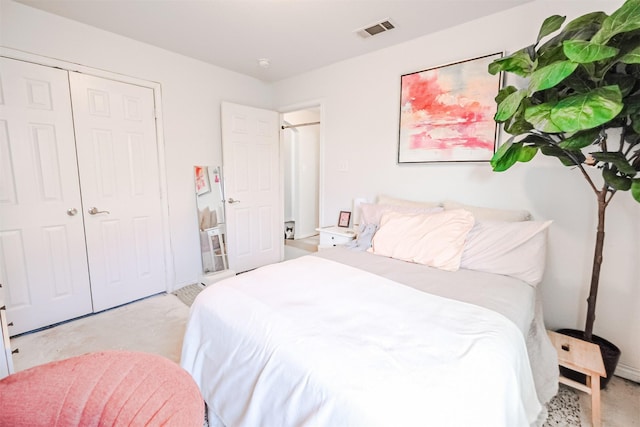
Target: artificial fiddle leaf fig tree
x: 581, y: 105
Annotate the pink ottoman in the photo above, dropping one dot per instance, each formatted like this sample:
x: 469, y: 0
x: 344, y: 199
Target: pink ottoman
x: 111, y: 388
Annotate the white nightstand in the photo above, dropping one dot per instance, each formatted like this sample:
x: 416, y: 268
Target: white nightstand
x: 335, y: 236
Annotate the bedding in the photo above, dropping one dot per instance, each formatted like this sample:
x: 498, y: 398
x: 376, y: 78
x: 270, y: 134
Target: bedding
x: 435, y: 239
x: 371, y: 213
x: 489, y: 214
x: 352, y: 338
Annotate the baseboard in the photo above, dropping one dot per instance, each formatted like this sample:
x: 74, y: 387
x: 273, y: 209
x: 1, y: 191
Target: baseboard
x: 211, y: 278
x: 628, y: 372
x: 305, y: 235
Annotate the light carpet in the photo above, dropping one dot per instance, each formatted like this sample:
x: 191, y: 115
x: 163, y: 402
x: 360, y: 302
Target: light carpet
x: 153, y: 325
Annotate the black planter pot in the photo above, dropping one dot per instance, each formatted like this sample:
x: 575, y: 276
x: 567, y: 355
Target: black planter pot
x: 610, y: 356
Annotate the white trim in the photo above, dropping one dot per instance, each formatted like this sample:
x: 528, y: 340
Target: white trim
x: 157, y: 96
x: 628, y: 372
x: 209, y: 279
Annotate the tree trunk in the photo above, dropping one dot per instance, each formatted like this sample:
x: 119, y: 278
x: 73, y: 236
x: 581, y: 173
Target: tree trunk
x: 597, y: 262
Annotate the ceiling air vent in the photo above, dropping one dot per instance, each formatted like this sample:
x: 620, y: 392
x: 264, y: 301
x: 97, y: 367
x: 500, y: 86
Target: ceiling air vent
x: 378, y: 28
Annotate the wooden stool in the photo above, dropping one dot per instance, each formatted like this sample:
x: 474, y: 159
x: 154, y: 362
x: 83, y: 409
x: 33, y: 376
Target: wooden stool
x: 584, y: 357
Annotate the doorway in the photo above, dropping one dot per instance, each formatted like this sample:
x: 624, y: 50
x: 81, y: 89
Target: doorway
x: 301, y: 166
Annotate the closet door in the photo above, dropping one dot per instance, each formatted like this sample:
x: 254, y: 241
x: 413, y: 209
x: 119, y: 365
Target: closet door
x: 43, y: 258
x: 119, y: 174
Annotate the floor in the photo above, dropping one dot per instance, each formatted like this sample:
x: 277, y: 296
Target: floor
x: 299, y: 247
x: 156, y: 325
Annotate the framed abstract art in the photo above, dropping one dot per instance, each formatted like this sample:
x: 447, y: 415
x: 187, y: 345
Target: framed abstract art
x: 446, y: 113
x: 202, y: 180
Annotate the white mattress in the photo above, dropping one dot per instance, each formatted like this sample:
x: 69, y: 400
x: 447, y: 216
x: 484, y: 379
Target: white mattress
x: 518, y: 301
x: 317, y: 342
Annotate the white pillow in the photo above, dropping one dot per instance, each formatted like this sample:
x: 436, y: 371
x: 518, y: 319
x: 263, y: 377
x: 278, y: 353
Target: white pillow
x: 436, y: 240
x: 516, y: 249
x: 386, y: 200
x: 489, y: 214
x: 371, y: 213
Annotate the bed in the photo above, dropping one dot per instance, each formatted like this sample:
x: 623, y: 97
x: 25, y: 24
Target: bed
x: 384, y: 333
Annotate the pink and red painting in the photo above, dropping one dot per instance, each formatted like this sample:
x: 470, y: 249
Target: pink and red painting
x: 446, y: 113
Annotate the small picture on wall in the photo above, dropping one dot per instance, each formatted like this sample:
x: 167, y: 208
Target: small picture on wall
x: 344, y: 218
x: 446, y: 113
x: 202, y: 180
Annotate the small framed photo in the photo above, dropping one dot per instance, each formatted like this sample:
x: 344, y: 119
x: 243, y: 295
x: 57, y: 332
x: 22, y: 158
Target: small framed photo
x: 344, y: 218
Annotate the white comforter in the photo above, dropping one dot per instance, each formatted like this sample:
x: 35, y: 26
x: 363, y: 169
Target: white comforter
x: 318, y: 343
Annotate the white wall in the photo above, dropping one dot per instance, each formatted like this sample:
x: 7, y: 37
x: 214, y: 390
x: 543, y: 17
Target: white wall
x: 191, y: 96
x: 361, y: 102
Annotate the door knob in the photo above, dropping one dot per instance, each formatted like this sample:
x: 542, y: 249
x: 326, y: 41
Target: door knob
x: 231, y: 200
x: 72, y: 211
x: 94, y: 211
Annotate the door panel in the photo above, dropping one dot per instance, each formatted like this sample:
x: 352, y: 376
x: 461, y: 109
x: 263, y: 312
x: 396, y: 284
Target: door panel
x: 42, y: 248
x: 119, y: 172
x: 250, y: 150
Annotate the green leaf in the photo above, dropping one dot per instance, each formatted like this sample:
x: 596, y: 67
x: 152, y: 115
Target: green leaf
x: 519, y: 63
x: 551, y: 75
x: 584, y: 52
x: 584, y: 21
x: 616, y: 159
x: 579, y: 81
x: 535, y: 140
x: 635, y: 189
x: 633, y: 138
x: 580, y: 140
x: 550, y: 55
x: 509, y: 106
x: 550, y: 25
x: 517, y: 125
x: 625, y: 19
x: 635, y: 122
x: 506, y: 156
x: 587, y: 110
x: 632, y: 105
x: 504, y: 92
x: 581, y: 28
x: 616, y: 181
x: 625, y: 82
x: 540, y: 117
x: 563, y: 156
x: 632, y: 57
x: 527, y: 153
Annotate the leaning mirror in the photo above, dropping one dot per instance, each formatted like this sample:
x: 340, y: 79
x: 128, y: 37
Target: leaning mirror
x: 210, y: 205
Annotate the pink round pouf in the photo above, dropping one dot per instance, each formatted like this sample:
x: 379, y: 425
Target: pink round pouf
x: 110, y: 388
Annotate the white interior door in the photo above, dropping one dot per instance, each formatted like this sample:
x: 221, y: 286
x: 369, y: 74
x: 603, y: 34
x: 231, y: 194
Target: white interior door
x: 42, y: 246
x: 119, y: 172
x: 254, y: 208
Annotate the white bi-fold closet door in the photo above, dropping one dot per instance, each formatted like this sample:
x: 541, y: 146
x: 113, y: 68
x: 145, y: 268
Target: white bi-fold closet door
x: 80, y: 201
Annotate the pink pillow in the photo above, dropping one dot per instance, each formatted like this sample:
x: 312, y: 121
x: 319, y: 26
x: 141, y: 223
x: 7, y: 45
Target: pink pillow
x: 371, y: 213
x: 436, y: 239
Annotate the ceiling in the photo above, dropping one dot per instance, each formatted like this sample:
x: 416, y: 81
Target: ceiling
x: 294, y: 35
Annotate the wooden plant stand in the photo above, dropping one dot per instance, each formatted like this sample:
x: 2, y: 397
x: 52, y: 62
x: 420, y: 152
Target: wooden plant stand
x: 584, y: 357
